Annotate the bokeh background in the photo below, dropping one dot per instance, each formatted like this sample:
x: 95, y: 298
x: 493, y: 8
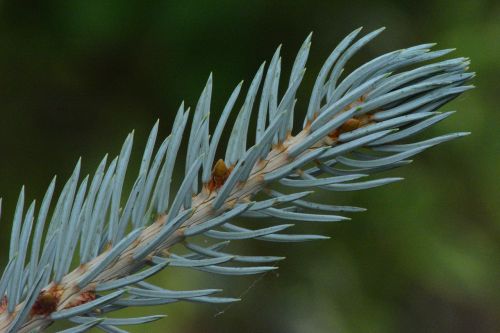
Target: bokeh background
x: 77, y: 76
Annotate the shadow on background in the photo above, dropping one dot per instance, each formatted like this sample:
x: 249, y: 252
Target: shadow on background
x: 76, y: 77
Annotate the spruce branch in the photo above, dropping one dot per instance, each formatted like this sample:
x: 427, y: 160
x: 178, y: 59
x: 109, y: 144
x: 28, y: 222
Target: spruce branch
x: 356, y: 125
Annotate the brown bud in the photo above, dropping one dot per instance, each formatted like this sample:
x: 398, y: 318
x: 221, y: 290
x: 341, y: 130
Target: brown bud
x: 45, y: 304
x: 220, y: 168
x: 220, y: 173
x: 350, y: 125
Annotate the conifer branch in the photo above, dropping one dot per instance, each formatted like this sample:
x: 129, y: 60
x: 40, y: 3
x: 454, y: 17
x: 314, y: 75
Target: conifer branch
x: 356, y: 125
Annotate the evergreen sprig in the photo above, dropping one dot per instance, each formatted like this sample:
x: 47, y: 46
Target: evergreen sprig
x: 356, y: 125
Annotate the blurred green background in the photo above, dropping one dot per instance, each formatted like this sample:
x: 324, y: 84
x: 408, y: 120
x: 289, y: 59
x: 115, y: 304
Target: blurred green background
x: 77, y: 76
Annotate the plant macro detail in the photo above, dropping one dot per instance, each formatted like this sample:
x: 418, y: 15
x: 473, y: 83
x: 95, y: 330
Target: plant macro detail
x: 356, y: 125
